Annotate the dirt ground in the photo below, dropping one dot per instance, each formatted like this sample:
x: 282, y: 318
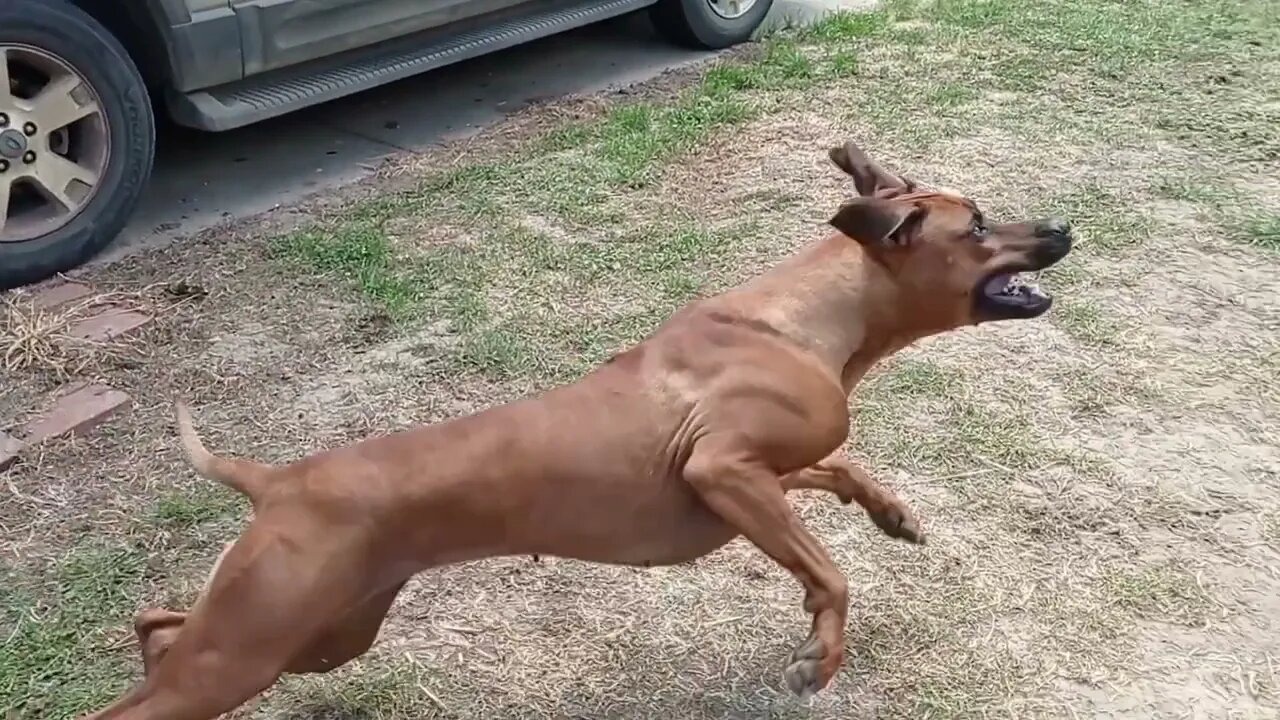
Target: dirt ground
x: 1101, y: 486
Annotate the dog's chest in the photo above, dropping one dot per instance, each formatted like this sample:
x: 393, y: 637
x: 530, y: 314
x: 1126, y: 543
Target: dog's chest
x: 665, y: 524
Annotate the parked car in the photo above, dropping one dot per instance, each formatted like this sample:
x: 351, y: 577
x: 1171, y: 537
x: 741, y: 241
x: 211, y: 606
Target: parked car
x: 80, y: 81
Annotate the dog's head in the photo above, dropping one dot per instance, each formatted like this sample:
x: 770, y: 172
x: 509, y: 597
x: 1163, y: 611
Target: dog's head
x: 950, y: 261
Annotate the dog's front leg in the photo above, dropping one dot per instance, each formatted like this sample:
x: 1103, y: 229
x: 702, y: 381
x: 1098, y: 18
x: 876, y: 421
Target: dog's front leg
x: 852, y: 484
x: 747, y: 494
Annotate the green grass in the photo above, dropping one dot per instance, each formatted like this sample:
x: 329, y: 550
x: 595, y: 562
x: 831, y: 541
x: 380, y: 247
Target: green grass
x: 506, y: 295
x: 577, y: 174
x: 1111, y: 37
x: 1103, y: 221
x: 636, y: 139
x: 390, y: 690
x: 942, y: 424
x: 575, y: 177
x: 360, y: 253
x: 950, y: 96
x: 1194, y: 188
x: 1270, y: 527
x: 959, y: 436
x: 976, y: 435
x: 1161, y: 592
x: 840, y: 29
x: 915, y: 377
x: 1263, y: 230
x: 1087, y: 322
x: 67, y: 622
x: 61, y: 654
x: 1094, y: 393
x: 1226, y: 208
x: 187, y: 510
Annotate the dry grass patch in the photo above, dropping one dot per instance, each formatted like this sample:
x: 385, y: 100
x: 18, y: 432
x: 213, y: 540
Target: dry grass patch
x: 39, y: 347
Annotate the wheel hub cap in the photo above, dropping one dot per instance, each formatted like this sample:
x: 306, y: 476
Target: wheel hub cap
x: 731, y: 9
x: 54, y: 143
x: 12, y: 144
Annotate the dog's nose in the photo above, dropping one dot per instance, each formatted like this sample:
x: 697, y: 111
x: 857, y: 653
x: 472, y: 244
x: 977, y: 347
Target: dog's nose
x: 1053, y: 241
x: 1053, y: 227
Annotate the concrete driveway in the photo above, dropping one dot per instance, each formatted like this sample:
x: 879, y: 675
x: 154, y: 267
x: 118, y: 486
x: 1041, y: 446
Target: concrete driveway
x: 202, y: 179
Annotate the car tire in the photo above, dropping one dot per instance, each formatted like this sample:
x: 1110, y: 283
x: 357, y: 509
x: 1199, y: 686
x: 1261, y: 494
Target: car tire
x: 708, y: 25
x: 55, y: 34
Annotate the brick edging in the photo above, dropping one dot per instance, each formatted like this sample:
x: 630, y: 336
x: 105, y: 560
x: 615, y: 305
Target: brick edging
x: 76, y: 408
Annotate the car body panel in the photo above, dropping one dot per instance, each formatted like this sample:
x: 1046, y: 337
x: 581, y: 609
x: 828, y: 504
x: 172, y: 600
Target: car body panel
x: 279, y: 33
x: 200, y: 39
x: 287, y: 89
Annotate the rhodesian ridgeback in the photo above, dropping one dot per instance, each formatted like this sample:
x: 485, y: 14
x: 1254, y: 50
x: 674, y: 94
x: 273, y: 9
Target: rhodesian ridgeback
x: 666, y: 452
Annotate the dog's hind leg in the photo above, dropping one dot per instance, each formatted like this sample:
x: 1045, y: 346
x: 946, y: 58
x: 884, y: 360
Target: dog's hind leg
x: 275, y: 598
x: 348, y: 638
x: 157, y: 628
x: 851, y: 483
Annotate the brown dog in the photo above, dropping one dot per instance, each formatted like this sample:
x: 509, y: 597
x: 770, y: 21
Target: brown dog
x: 663, y: 454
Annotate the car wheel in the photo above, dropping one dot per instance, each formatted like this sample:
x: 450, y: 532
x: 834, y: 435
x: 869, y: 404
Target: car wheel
x: 709, y: 24
x: 77, y: 138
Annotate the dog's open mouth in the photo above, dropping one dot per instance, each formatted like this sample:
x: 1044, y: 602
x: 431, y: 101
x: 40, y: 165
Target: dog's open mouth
x: 1012, y: 295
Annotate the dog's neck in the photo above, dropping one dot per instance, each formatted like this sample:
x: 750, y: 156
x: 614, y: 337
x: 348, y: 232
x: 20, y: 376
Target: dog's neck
x: 840, y: 304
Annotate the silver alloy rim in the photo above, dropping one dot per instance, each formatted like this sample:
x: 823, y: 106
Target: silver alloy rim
x: 731, y: 9
x: 54, y: 143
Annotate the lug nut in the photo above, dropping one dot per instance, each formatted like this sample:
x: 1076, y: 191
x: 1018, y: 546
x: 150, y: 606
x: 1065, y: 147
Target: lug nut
x: 29, y: 129
x: 29, y: 157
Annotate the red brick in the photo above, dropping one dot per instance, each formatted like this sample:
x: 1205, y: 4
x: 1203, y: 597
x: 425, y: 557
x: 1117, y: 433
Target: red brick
x: 108, y: 325
x: 80, y: 408
x: 10, y: 446
x: 61, y: 294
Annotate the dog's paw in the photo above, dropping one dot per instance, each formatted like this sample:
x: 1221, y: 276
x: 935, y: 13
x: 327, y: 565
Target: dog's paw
x: 803, y: 673
x: 896, y: 521
x: 802, y: 678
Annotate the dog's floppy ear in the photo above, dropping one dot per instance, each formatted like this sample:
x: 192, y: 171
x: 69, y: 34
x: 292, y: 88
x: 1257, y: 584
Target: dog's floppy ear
x: 868, y: 177
x: 877, y: 222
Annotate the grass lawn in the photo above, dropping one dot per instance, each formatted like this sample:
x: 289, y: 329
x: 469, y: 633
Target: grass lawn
x: 1101, y: 487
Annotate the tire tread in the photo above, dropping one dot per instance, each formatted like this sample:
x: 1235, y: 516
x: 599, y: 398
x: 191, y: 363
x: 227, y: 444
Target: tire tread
x: 69, y: 32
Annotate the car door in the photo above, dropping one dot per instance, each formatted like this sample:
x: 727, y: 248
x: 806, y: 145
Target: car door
x: 277, y: 33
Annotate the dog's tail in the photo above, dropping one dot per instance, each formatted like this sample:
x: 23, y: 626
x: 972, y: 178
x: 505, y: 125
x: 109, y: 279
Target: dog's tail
x: 242, y: 475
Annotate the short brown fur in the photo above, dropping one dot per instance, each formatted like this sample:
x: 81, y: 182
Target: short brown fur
x: 660, y: 456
